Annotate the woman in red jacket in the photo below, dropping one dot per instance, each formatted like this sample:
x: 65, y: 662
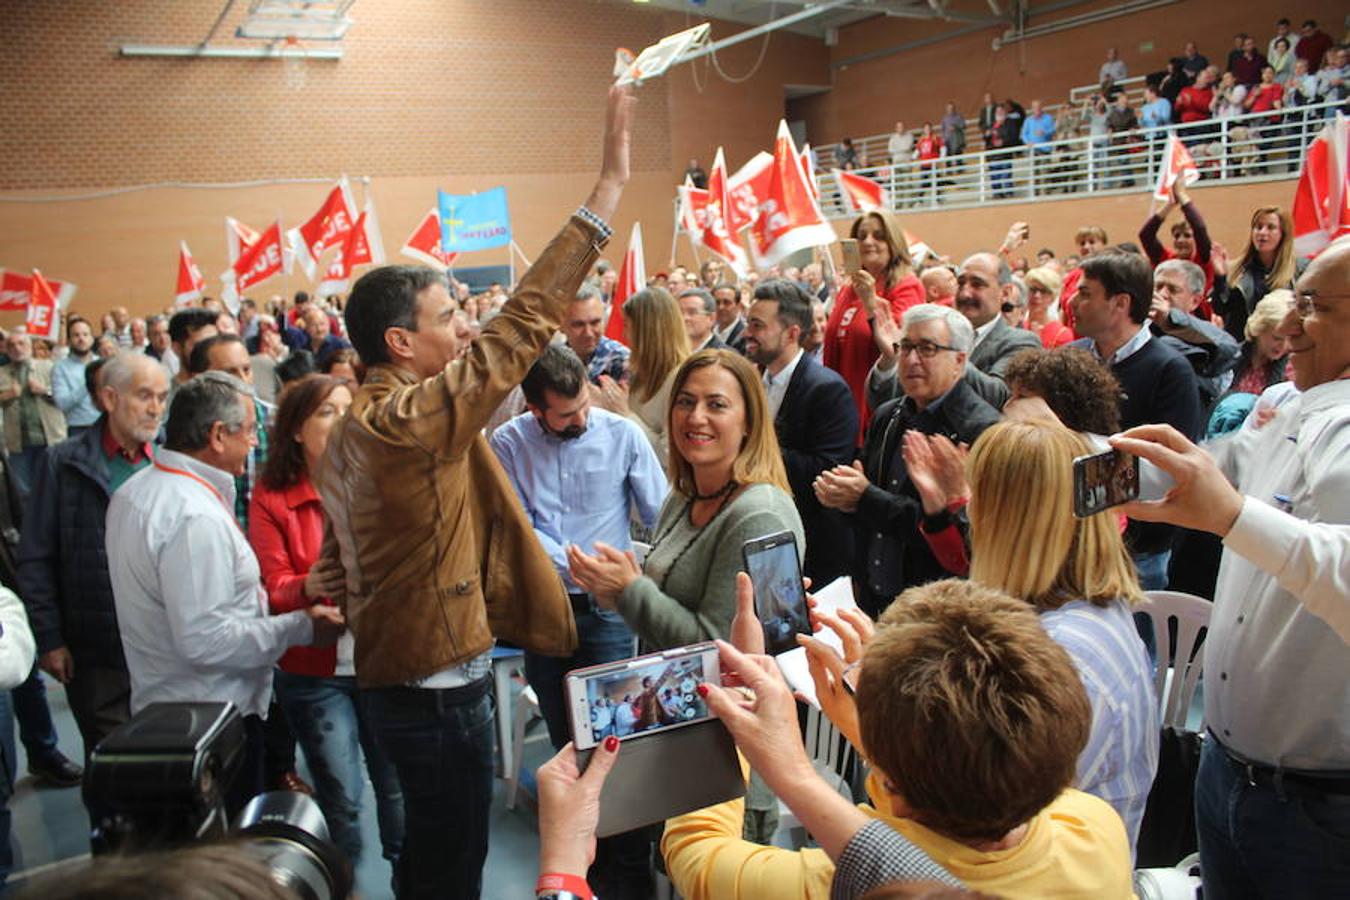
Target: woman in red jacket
x: 317, y: 687
x: 887, y: 274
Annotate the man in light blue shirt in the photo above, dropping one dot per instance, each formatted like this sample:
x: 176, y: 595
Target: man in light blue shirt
x: 1038, y: 130
x: 68, y: 387
x: 579, y: 472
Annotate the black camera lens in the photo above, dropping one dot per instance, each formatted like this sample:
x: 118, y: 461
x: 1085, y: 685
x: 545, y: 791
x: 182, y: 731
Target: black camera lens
x: 287, y: 831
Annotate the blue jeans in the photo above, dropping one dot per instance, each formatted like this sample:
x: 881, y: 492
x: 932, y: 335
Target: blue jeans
x: 602, y: 637
x: 36, y: 729
x: 333, y: 734
x: 1258, y: 842
x: 441, y: 744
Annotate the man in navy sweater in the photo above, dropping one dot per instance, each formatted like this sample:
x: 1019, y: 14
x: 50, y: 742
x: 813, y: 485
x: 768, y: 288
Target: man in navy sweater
x: 1111, y: 312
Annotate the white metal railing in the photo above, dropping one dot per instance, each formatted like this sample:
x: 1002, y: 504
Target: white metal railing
x: 876, y: 147
x: 1248, y: 147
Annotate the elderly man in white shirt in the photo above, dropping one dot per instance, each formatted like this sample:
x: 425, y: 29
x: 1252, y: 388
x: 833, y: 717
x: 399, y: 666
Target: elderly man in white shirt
x: 186, y: 585
x: 1273, y: 790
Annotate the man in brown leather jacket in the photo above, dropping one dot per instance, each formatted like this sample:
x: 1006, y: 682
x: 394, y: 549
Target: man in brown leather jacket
x: 428, y: 537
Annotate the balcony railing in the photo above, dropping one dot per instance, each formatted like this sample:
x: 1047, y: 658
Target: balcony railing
x: 1251, y: 147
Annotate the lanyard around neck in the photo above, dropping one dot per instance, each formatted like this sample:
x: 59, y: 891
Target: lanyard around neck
x: 200, y: 480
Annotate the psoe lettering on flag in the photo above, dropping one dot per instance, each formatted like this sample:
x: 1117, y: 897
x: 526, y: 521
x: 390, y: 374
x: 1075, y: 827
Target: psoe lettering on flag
x: 259, y: 262
x: 474, y: 221
x: 424, y: 244
x: 16, y: 288
x: 43, y: 318
x: 326, y: 228
x: 363, y: 246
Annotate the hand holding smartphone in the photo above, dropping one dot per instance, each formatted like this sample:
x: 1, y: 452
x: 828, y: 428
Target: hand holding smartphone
x: 1103, y: 480
x: 780, y: 598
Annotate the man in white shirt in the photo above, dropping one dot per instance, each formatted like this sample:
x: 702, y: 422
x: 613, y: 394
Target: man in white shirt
x: 1272, y: 796
x: 900, y: 149
x: 186, y: 585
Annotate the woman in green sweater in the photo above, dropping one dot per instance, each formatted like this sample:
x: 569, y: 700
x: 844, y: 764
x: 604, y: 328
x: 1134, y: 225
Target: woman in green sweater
x: 728, y: 485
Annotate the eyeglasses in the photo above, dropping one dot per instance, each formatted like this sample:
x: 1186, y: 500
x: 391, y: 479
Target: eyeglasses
x: 1304, y: 300
x: 925, y: 349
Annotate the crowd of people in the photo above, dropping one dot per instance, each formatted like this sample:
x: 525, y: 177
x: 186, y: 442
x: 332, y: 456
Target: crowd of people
x: 328, y: 514
x: 1191, y: 94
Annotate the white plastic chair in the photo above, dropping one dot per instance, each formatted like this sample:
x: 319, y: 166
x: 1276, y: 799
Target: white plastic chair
x: 526, y: 708
x: 831, y: 754
x: 1176, y: 677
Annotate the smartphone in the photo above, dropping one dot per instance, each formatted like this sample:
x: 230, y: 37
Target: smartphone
x: 780, y: 599
x: 850, y: 259
x: 1103, y: 480
x: 641, y: 696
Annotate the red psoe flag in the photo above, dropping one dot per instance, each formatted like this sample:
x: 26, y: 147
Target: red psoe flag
x: 362, y: 246
x: 326, y: 228
x: 789, y: 217
x: 863, y: 194
x: 744, y: 190
x: 1177, y: 163
x: 693, y: 208
x: 16, y: 289
x: 424, y: 244
x: 717, y: 233
x: 1321, y: 210
x: 43, y: 319
x: 632, y: 278
x: 259, y: 262
x: 191, y: 285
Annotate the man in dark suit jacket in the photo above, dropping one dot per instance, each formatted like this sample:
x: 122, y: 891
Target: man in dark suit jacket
x: 890, y: 553
x: 814, y: 416
x: 729, y: 323
x: 983, y: 286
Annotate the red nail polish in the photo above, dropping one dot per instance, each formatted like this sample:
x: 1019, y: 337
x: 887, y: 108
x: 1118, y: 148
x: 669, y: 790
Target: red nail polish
x: 702, y: 690
x: 611, y: 744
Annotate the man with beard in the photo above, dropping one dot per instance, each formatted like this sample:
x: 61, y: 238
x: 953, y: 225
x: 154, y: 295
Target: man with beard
x: 814, y: 418
x: 68, y: 378
x: 578, y: 471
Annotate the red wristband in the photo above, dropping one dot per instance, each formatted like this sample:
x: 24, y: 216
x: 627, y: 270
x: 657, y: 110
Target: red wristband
x: 557, y: 881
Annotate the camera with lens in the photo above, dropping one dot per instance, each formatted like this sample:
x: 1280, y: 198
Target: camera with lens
x: 160, y: 781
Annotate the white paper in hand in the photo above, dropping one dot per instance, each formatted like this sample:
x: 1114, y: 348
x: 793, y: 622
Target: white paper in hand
x: 656, y: 59
x: 838, y: 594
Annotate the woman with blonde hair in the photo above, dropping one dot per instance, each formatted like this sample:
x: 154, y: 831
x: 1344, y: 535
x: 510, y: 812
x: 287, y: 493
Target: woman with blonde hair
x: 886, y: 274
x: 1264, y: 354
x: 1077, y: 573
x: 655, y: 330
x: 1268, y: 263
x: 1043, y: 286
x: 728, y: 485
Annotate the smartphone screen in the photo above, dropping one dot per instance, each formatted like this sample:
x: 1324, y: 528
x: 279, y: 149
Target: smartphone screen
x: 1104, y: 480
x: 850, y: 260
x: 780, y: 599
x: 640, y: 696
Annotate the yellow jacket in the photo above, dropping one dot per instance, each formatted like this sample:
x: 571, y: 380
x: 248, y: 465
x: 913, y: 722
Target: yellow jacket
x: 1075, y: 847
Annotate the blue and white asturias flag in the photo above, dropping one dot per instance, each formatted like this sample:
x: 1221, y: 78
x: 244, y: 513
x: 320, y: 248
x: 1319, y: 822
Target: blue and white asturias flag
x: 474, y: 221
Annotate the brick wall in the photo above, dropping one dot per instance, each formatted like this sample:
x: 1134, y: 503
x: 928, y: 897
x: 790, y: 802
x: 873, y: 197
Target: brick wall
x: 457, y: 94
